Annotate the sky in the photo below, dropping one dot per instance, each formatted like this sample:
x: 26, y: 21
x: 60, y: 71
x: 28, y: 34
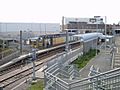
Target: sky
x: 51, y: 11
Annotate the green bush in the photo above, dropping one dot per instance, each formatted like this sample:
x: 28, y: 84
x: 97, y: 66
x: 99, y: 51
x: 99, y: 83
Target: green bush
x: 37, y: 86
x: 81, y: 61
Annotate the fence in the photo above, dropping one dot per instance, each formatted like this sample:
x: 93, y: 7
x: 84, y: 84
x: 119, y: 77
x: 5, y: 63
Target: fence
x: 105, y: 81
x: 58, y: 78
x: 9, y: 57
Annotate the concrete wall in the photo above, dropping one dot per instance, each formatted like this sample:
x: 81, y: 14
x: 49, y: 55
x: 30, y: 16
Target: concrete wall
x: 89, y: 45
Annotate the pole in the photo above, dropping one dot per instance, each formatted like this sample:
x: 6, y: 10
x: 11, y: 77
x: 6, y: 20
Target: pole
x: 63, y: 23
x: 33, y: 62
x: 33, y: 70
x: 67, y: 42
x: 114, y: 34
x: 97, y: 19
x: 0, y: 28
x: 40, y: 29
x: 3, y: 46
x: 105, y: 33
x: 21, y: 42
x: 113, y: 50
x: 97, y: 36
x: 77, y: 26
x: 45, y: 37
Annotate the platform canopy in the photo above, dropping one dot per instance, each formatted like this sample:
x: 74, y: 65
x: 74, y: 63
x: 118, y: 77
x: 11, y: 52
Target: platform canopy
x: 106, y: 36
x: 88, y: 36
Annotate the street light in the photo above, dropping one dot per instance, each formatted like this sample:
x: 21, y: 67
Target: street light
x: 114, y: 33
x: 3, y: 47
x: 94, y: 20
x: 33, y: 61
x: 67, y: 41
x: 21, y: 42
x: 105, y: 32
x: 96, y: 32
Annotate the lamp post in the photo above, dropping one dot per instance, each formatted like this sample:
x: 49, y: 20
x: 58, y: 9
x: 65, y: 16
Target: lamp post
x: 105, y: 28
x: 33, y: 62
x: 67, y: 41
x: 97, y: 33
x: 114, y: 33
x: 97, y: 27
x: 67, y: 34
x: 105, y: 33
x: 3, y: 47
x: 21, y: 42
x: 94, y: 20
x: 46, y: 37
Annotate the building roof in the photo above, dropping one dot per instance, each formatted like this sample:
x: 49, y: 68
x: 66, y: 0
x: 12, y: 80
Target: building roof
x: 88, y: 36
x: 106, y: 36
x: 6, y: 39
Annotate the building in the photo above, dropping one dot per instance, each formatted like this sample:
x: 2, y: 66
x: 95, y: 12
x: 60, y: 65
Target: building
x: 29, y: 29
x: 116, y: 28
x: 10, y: 32
x: 85, y: 25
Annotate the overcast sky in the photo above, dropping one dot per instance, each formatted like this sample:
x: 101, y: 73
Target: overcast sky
x: 51, y: 11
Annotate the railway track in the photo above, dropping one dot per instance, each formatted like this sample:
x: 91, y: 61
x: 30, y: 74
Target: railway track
x: 40, y: 57
x: 23, y: 62
x: 11, y: 68
x: 17, y: 76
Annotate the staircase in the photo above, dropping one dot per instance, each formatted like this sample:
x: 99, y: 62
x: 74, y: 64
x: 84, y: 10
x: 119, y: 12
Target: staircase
x: 109, y: 80
x: 61, y: 77
x: 57, y: 75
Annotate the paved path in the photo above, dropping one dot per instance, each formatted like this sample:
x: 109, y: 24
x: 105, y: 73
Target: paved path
x: 102, y: 61
x: 117, y: 53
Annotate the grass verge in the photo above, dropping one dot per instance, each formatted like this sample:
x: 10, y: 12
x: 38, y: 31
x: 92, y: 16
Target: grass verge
x: 82, y: 61
x: 37, y: 86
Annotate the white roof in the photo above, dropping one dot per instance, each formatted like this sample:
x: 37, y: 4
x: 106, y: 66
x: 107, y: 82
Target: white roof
x: 88, y: 36
x: 5, y: 38
x: 106, y: 36
x: 34, y: 38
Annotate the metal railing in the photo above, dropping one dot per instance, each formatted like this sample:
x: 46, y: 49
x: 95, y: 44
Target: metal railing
x: 105, y: 81
x: 109, y: 80
x: 58, y: 76
x: 9, y: 57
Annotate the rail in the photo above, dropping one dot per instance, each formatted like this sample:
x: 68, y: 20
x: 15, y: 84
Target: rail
x: 11, y: 79
x: 8, y: 79
x: 29, y: 55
